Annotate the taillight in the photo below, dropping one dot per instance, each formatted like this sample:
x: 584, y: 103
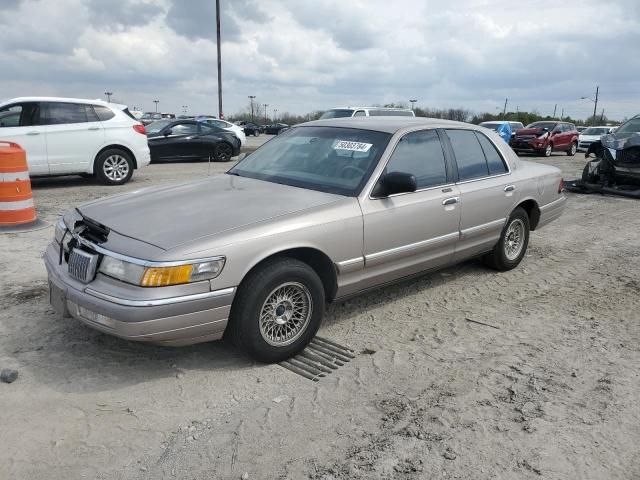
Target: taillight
x: 140, y: 129
x: 561, y: 186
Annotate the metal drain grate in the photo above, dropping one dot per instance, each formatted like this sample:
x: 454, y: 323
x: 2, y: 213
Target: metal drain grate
x: 319, y: 359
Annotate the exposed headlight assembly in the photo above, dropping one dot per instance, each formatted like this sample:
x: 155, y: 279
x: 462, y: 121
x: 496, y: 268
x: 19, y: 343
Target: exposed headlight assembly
x: 161, y: 276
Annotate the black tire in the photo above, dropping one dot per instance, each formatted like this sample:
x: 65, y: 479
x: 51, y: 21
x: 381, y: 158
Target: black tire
x: 588, y: 177
x: 244, y: 325
x: 572, y: 151
x: 256, y: 133
x: 499, y: 259
x: 223, y: 152
x: 113, y: 167
x: 548, y: 150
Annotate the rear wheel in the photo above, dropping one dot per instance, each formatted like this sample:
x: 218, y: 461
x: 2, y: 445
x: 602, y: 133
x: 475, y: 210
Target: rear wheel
x: 223, y: 152
x: 277, y: 310
x: 512, y: 246
x: 572, y: 151
x: 113, y: 167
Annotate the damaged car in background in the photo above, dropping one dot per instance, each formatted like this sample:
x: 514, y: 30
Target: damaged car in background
x: 616, y: 167
x: 326, y: 210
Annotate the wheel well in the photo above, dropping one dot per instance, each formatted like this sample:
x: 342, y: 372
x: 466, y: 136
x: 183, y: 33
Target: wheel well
x: 117, y: 147
x: 317, y: 260
x: 533, y: 211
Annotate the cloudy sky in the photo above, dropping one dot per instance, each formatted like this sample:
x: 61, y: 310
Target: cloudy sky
x: 304, y: 55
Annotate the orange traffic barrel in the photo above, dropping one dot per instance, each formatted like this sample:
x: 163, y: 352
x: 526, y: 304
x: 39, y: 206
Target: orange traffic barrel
x: 16, y: 199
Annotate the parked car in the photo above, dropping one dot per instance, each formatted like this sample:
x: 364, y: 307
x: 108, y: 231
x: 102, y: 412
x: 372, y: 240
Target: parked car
x: 275, y: 128
x: 616, y: 168
x: 235, y: 129
x: 65, y: 136
x: 546, y: 137
x: 189, y: 140
x: 367, y: 112
x: 581, y: 129
x: 150, y: 117
x: 251, y: 129
x: 495, y: 125
x: 324, y: 211
x: 590, y: 135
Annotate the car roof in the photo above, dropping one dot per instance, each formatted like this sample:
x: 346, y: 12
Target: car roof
x: 387, y: 124
x: 96, y: 101
x: 373, y: 108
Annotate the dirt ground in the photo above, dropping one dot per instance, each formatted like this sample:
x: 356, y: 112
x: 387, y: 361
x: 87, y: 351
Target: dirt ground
x: 547, y: 386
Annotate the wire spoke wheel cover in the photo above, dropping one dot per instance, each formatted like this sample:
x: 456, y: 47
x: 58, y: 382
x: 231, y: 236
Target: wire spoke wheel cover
x: 115, y: 167
x: 285, y: 314
x: 514, y: 239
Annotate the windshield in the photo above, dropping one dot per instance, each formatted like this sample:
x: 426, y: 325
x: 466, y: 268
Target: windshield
x: 596, y: 131
x: 337, y: 113
x: 155, y: 127
x: 328, y: 159
x: 549, y: 125
x: 630, y: 126
x: 491, y: 126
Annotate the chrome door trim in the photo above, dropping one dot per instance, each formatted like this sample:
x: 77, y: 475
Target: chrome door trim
x: 351, y: 265
x: 412, y: 246
x: 160, y: 301
x: 481, y: 228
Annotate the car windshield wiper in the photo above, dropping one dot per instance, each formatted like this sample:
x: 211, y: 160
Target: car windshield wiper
x: 234, y: 174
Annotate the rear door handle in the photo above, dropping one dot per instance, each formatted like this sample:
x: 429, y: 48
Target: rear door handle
x: 450, y: 201
x: 509, y: 188
x: 94, y: 128
x: 33, y: 133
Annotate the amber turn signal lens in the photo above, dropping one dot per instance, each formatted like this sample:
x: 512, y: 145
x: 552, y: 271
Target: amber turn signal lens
x: 165, y: 276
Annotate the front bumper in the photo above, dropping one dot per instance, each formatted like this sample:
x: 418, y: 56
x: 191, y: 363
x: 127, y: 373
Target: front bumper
x: 104, y: 305
x: 530, y: 146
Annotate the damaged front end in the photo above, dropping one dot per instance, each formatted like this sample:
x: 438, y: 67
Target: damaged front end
x: 615, y: 169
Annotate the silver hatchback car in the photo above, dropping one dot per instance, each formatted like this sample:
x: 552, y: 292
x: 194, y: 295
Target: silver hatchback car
x: 324, y: 211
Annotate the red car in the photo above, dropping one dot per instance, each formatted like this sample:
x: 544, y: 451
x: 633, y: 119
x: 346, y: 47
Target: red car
x: 546, y: 137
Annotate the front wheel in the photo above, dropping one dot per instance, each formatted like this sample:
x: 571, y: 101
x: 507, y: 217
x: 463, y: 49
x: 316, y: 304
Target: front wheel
x: 277, y: 310
x: 512, y: 246
x: 113, y: 167
x: 572, y: 151
x: 548, y: 150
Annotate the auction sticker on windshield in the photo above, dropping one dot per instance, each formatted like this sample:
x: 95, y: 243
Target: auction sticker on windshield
x: 352, y: 146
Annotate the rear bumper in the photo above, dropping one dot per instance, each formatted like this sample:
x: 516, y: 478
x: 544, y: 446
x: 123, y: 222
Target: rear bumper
x: 143, y: 157
x: 172, y: 321
x: 551, y: 211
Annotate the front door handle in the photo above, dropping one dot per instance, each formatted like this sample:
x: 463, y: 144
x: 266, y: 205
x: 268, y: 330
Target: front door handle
x: 509, y: 188
x: 33, y: 133
x: 450, y: 201
x: 94, y: 128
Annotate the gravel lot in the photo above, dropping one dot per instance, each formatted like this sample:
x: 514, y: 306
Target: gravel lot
x: 548, y: 388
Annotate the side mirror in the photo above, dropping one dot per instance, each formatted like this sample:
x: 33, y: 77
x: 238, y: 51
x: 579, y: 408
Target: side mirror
x: 167, y: 132
x: 395, y: 182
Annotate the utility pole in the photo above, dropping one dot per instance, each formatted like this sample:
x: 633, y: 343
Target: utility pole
x: 595, y: 105
x: 413, y: 103
x: 265, y: 105
x: 220, y: 114
x: 555, y: 107
x: 275, y: 115
x: 602, y: 116
x: 504, y: 112
x: 562, y: 114
x: 156, y: 102
x: 251, y: 97
x: 108, y: 94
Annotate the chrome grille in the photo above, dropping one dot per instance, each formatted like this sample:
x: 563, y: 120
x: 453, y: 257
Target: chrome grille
x: 82, y: 265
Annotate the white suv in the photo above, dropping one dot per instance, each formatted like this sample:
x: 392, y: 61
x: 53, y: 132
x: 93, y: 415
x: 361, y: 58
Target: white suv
x: 64, y: 136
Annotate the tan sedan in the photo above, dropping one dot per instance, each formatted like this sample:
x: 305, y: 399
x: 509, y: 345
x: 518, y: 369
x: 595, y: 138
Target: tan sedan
x: 324, y: 211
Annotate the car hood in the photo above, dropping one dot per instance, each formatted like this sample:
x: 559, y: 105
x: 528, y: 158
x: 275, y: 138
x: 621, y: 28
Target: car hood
x: 620, y: 141
x: 169, y: 216
x: 530, y: 131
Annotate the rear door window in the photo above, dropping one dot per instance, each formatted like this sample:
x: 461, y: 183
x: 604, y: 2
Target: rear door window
x: 420, y: 154
x: 495, y: 162
x: 59, y: 113
x: 469, y: 154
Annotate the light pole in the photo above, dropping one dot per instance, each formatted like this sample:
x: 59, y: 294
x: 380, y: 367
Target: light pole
x: 265, y: 105
x: 220, y: 114
x: 413, y: 103
x: 251, y: 97
x: 184, y: 109
x: 108, y: 94
x: 595, y: 103
x: 275, y: 115
x: 156, y: 102
x: 504, y: 111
